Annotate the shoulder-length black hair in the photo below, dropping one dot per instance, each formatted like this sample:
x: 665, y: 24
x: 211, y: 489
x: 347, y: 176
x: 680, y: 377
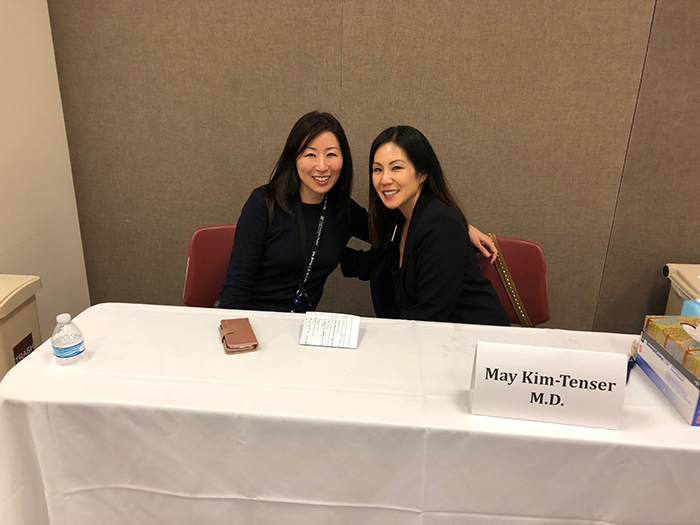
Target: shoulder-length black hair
x: 382, y: 220
x: 284, y: 179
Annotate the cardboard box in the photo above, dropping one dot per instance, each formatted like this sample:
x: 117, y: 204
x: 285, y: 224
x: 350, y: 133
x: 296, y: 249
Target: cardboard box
x: 679, y: 386
x: 685, y: 284
x: 668, y: 332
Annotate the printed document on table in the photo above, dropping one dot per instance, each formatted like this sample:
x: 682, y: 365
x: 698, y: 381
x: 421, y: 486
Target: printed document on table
x: 332, y: 330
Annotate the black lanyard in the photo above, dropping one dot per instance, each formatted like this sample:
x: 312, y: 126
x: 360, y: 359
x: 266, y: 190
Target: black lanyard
x: 301, y: 290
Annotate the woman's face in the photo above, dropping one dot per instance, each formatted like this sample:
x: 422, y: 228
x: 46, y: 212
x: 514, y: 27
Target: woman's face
x: 319, y: 167
x: 395, y: 179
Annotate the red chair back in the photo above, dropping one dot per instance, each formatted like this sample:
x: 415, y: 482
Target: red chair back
x: 525, y: 260
x: 207, y: 261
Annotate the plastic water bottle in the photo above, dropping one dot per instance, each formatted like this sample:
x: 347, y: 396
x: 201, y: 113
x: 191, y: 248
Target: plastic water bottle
x: 67, y: 341
x: 691, y: 307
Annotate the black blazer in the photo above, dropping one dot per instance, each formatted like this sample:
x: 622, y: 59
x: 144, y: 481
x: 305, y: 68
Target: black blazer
x: 440, y: 279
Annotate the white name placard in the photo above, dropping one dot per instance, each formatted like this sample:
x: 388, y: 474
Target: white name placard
x: 574, y: 387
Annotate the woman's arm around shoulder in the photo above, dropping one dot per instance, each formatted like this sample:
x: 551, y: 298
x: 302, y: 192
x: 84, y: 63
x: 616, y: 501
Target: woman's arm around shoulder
x: 358, y: 263
x: 482, y: 244
x: 359, y: 221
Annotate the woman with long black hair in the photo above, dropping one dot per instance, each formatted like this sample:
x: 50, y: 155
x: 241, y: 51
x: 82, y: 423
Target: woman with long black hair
x: 422, y: 265
x: 292, y: 231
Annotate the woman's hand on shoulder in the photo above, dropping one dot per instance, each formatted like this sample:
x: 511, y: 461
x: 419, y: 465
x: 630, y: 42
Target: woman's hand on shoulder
x: 483, y: 244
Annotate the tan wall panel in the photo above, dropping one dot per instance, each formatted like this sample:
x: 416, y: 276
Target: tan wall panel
x: 175, y: 111
x: 528, y: 105
x: 657, y: 219
x: 39, y: 231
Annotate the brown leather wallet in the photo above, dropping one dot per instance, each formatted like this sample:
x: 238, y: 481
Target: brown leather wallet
x: 237, y: 336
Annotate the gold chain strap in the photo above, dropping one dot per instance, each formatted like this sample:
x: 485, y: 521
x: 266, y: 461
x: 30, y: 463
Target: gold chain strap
x: 509, y: 286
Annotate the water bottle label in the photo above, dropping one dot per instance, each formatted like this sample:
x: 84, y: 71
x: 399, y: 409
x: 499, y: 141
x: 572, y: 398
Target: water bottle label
x: 69, y: 351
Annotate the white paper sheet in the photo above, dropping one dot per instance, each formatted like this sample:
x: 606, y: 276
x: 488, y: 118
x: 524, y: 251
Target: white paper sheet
x: 333, y: 330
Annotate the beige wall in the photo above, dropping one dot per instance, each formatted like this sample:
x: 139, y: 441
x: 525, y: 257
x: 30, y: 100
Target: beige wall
x: 39, y: 233
x: 657, y: 220
x: 176, y: 111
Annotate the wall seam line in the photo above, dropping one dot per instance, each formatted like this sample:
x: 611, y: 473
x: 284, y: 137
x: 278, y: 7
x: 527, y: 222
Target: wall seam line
x: 337, y: 294
x: 342, y: 27
x: 624, y: 165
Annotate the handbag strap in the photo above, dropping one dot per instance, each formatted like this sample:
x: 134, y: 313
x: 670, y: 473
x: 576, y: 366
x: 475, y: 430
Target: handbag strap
x: 509, y: 285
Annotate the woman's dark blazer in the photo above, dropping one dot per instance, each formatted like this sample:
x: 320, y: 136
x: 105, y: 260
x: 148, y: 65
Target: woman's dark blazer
x: 441, y: 281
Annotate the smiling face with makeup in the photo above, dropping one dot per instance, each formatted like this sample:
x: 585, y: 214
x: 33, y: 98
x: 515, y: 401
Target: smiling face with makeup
x: 319, y: 166
x: 395, y: 179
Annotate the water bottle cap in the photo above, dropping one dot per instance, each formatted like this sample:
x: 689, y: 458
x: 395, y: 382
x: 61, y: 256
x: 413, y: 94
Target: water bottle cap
x: 63, y: 318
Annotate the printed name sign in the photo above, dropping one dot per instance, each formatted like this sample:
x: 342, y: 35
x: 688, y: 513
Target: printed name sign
x: 574, y: 387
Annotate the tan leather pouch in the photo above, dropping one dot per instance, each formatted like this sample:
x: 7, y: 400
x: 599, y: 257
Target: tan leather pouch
x: 237, y: 336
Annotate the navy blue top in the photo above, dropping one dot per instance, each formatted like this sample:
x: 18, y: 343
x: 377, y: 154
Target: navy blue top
x: 266, y: 262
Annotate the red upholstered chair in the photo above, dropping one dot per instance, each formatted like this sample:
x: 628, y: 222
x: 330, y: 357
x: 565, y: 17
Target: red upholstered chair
x: 525, y: 260
x: 207, y: 261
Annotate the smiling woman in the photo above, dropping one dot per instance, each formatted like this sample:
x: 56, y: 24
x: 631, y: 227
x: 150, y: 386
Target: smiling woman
x: 292, y: 231
x: 395, y: 179
x: 319, y: 167
x: 428, y: 271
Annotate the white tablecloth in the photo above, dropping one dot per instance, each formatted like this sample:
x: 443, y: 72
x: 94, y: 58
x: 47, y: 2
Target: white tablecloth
x: 160, y: 426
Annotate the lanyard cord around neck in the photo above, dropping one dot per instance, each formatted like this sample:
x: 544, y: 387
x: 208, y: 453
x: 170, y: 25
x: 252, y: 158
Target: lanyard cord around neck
x: 301, y: 290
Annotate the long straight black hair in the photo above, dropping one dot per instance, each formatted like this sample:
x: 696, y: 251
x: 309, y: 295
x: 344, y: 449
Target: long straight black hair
x: 421, y: 154
x: 284, y: 179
